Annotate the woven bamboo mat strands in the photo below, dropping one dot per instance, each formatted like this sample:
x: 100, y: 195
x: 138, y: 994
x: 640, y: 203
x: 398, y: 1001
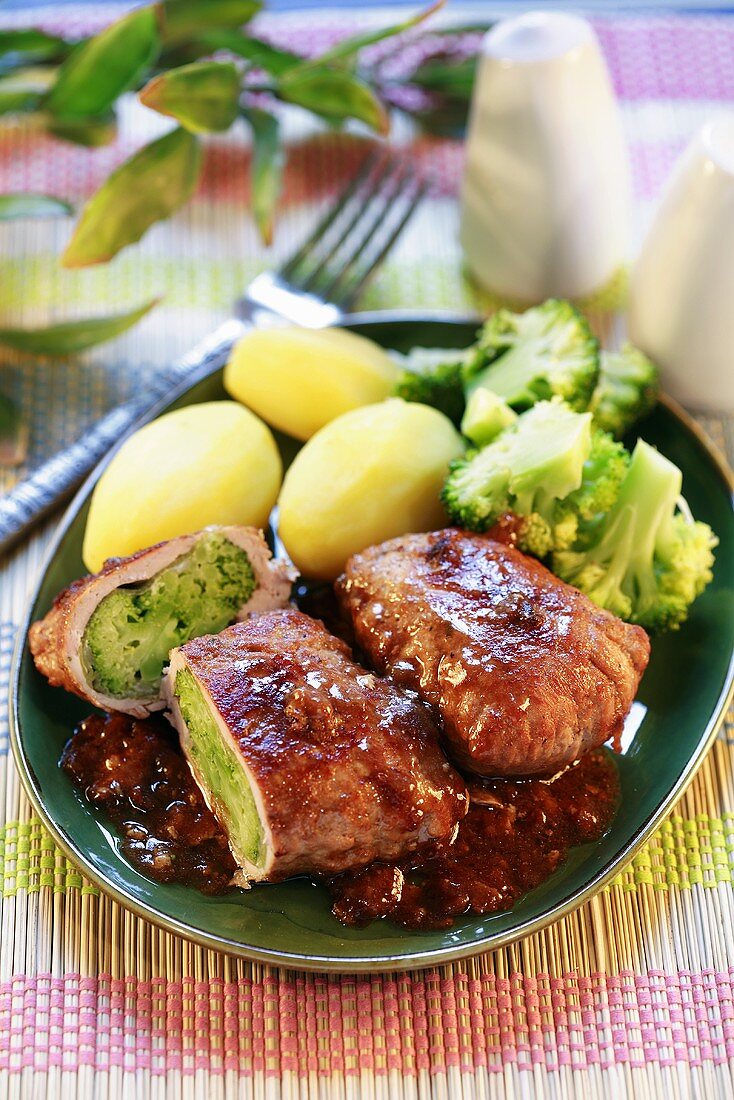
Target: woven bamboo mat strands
x: 631, y: 995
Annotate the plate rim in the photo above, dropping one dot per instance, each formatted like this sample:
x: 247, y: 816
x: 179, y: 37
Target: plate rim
x: 355, y: 964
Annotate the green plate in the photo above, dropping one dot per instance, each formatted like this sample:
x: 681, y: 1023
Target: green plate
x: 681, y: 703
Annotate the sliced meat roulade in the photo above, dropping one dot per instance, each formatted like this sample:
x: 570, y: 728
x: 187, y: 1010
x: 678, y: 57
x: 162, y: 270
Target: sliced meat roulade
x: 310, y: 763
x: 108, y: 636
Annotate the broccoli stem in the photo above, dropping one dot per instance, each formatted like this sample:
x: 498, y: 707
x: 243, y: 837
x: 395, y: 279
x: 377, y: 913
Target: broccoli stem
x: 512, y: 374
x: 547, y: 459
x: 635, y: 525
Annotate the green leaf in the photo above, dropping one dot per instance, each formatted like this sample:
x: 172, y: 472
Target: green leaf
x: 335, y: 95
x: 27, y: 45
x: 90, y: 132
x: 30, y: 205
x: 454, y: 78
x: 30, y: 40
x: 104, y: 67
x: 23, y: 90
x: 260, y: 54
x: 448, y: 33
x: 202, y: 97
x: 148, y: 187
x: 13, y: 433
x: 268, y: 159
x: 14, y: 100
x: 185, y: 19
x: 447, y: 119
x: 70, y: 337
x: 349, y: 46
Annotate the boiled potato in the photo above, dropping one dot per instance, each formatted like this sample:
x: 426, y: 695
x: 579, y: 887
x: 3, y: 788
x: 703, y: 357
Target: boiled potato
x: 209, y: 463
x: 299, y: 379
x: 369, y: 475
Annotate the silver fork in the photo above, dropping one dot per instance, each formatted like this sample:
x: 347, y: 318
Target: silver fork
x: 313, y: 288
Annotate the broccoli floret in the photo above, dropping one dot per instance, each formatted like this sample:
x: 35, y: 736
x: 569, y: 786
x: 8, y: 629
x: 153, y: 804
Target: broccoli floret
x: 548, y: 468
x: 430, y: 378
x: 604, y: 471
x: 486, y: 416
x: 626, y: 391
x: 649, y: 558
x: 548, y: 351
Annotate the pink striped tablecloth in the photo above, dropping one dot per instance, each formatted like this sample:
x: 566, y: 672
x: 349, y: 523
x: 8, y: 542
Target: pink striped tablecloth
x: 631, y: 994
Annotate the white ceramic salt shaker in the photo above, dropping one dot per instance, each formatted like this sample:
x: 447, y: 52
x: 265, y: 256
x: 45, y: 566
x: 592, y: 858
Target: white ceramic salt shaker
x: 546, y: 192
x: 681, y: 310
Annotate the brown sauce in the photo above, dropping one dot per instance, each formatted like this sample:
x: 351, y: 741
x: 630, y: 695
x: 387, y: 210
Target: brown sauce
x: 515, y: 835
x: 507, y: 528
x: 134, y: 771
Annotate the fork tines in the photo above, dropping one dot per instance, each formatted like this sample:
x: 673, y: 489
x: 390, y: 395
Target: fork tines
x: 353, y: 238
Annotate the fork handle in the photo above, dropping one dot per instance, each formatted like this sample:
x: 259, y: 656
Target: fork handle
x: 34, y: 498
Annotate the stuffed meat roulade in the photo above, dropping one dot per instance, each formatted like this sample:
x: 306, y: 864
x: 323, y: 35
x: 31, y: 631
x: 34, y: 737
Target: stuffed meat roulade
x: 310, y: 763
x: 108, y: 636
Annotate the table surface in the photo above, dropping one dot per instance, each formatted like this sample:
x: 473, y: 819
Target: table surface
x: 633, y: 993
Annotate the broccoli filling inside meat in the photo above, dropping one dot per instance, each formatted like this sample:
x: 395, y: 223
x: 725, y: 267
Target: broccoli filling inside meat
x: 220, y: 772
x: 131, y: 632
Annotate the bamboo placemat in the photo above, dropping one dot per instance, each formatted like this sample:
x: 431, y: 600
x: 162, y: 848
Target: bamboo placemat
x: 631, y: 995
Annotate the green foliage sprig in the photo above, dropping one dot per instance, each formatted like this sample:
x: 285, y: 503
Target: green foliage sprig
x: 198, y: 62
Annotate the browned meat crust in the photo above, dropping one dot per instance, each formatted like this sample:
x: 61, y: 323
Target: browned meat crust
x: 55, y: 641
x: 346, y: 768
x: 526, y: 672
